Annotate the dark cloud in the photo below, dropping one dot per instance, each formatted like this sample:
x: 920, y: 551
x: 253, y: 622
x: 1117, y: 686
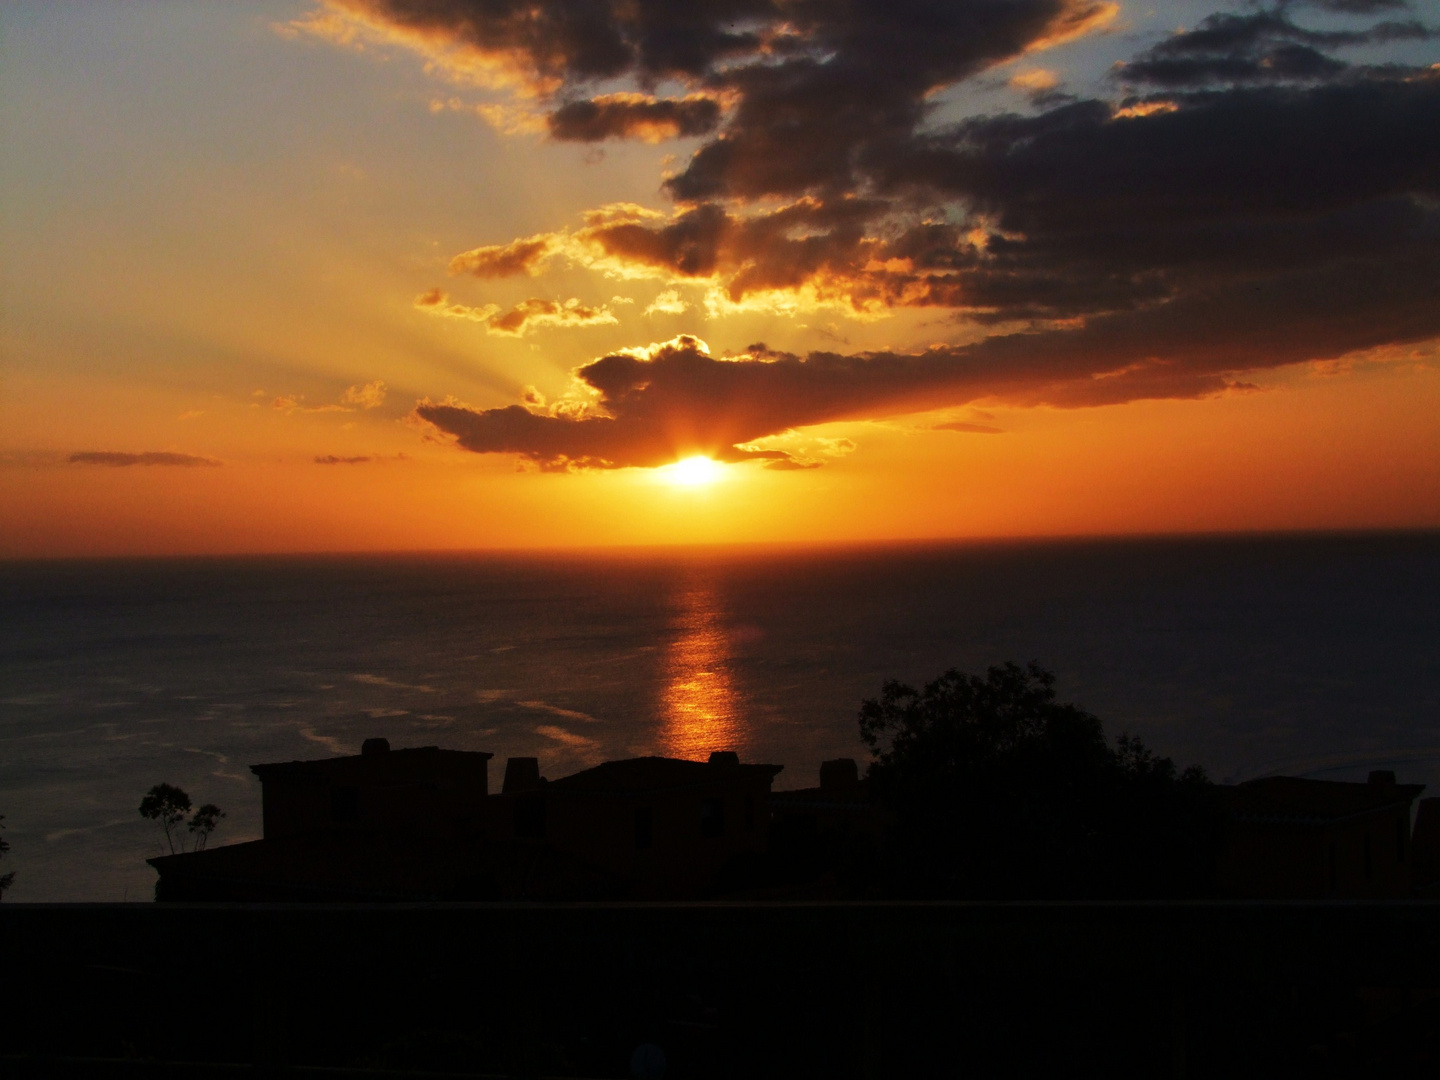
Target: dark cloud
x: 1252, y: 199
x: 674, y: 400
x: 1259, y: 46
x: 1088, y: 212
x: 568, y: 42
x: 1083, y: 209
x: 1354, y: 7
x: 814, y: 83
x: 621, y: 116
x: 153, y: 457
x: 331, y: 459
x: 866, y: 78
x: 806, y: 242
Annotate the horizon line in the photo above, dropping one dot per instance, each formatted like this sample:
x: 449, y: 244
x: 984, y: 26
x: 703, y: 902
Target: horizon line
x: 753, y: 546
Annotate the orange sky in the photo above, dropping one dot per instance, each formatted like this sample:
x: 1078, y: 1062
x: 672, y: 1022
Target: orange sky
x: 235, y: 259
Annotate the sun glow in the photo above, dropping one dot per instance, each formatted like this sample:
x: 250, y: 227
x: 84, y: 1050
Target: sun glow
x: 694, y: 471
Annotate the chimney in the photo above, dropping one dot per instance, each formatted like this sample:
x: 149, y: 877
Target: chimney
x: 724, y: 757
x: 1382, y: 778
x: 521, y: 774
x: 842, y: 774
x: 373, y: 747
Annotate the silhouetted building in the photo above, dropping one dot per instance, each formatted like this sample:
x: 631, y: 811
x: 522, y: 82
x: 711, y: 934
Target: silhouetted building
x: 840, y: 805
x: 426, y: 789
x: 381, y: 825
x: 659, y: 827
x: 419, y: 824
x: 1292, y: 838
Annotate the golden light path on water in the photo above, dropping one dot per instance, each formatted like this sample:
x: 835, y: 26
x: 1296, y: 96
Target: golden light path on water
x: 699, y: 707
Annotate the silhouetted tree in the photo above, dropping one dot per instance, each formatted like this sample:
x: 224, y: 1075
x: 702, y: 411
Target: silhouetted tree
x: 996, y: 789
x: 168, y: 805
x: 6, y: 880
x: 203, y: 824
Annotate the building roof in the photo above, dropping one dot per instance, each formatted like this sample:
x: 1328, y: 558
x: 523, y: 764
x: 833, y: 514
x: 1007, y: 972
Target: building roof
x: 410, y: 763
x: 652, y: 774
x: 1293, y: 800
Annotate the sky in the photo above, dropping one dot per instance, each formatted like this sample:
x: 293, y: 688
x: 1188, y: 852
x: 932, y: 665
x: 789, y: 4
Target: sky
x: 437, y: 274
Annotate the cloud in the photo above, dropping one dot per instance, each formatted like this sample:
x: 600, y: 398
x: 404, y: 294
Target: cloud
x: 289, y: 403
x: 813, y: 86
x: 1244, y: 195
x: 634, y: 116
x: 1258, y: 46
x: 673, y: 400
x: 822, y: 249
x: 1040, y: 85
x: 369, y: 396
x: 152, y: 457
x: 331, y: 459
x: 668, y: 302
x: 1082, y: 210
x: 520, y: 319
x: 529, y: 314
x: 527, y: 255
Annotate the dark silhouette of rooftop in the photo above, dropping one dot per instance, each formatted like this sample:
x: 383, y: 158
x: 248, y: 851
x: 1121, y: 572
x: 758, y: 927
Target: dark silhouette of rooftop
x: 1300, y: 801
x: 660, y: 774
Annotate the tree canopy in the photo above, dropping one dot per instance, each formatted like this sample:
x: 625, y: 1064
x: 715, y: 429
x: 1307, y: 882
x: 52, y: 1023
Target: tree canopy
x: 996, y: 789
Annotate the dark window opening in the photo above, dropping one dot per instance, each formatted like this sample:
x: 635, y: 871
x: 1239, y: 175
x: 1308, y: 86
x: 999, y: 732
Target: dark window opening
x: 344, y: 805
x: 644, y: 827
x: 712, y: 817
x: 530, y: 817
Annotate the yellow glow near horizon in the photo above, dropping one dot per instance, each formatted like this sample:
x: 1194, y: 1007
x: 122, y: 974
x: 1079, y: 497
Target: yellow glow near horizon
x: 696, y: 471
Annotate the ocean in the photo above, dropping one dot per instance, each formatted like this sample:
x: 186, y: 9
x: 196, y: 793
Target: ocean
x: 1307, y: 655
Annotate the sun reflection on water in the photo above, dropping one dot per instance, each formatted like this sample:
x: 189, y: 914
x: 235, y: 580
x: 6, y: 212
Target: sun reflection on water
x: 699, y: 707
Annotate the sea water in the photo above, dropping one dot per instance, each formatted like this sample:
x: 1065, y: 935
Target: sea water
x: 1315, y: 656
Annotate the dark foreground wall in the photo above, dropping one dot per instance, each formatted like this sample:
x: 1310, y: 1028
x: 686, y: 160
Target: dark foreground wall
x: 726, y: 990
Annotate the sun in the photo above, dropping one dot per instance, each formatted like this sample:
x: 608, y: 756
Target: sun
x: 696, y: 471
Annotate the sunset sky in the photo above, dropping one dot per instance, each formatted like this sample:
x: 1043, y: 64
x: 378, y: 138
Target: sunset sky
x: 438, y: 274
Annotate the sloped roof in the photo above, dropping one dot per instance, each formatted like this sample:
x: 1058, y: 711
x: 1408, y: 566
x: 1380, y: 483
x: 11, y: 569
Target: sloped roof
x: 411, y: 762
x: 1294, y: 800
x: 649, y: 774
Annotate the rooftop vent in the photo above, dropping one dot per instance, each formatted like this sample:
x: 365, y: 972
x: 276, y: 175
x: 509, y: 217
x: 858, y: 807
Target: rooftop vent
x: 724, y: 757
x: 371, y: 747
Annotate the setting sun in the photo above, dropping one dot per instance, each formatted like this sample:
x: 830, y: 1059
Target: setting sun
x: 696, y: 471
